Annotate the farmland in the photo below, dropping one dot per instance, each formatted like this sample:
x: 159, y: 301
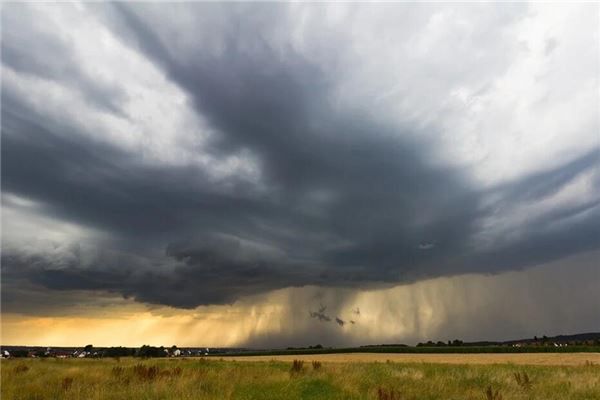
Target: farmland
x: 332, y: 376
x: 562, y: 359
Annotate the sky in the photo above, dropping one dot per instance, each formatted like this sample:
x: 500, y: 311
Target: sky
x: 273, y: 175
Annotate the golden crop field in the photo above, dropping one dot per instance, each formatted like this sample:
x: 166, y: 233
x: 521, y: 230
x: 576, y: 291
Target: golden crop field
x: 494, y: 358
x: 340, y: 376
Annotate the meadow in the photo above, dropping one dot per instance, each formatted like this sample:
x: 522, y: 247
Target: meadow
x: 211, y: 378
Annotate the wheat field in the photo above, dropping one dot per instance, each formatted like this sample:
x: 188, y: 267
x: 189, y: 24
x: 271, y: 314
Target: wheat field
x: 494, y: 358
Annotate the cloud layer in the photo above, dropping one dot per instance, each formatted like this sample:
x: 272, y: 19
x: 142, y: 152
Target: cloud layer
x: 230, y: 150
x: 470, y: 307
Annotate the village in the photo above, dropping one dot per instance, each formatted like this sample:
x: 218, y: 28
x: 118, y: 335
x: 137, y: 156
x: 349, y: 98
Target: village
x: 90, y: 351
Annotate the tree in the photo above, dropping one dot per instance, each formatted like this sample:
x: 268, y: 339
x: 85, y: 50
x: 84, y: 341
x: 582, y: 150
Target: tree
x: 151, y: 351
x: 88, y: 348
x: 39, y: 353
x: 118, y: 352
x: 19, y: 353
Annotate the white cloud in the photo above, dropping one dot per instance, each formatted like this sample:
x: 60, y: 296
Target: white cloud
x: 25, y: 226
x: 504, y: 91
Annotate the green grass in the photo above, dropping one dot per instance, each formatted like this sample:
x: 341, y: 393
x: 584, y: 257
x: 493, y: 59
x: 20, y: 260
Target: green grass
x: 222, y: 379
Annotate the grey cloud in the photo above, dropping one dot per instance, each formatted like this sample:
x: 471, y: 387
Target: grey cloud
x: 349, y: 198
x: 426, y: 246
x: 563, y: 231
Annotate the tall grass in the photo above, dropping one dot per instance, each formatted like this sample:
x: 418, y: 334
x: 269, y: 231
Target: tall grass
x: 214, y: 379
x: 523, y: 380
x: 297, y: 367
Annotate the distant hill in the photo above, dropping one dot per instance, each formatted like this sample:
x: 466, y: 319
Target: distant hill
x: 579, y: 337
x: 591, y: 338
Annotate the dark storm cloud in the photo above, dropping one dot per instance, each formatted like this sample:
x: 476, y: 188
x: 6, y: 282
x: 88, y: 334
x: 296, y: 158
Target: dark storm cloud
x: 279, y: 107
x: 348, y: 201
x: 100, y: 185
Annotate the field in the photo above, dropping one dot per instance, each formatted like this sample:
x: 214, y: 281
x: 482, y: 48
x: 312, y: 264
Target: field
x: 476, y: 358
x: 338, y: 376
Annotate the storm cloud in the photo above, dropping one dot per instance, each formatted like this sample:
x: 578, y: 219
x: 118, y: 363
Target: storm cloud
x: 196, y: 154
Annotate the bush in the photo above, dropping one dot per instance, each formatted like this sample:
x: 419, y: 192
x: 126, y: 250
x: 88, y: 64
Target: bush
x: 151, y: 351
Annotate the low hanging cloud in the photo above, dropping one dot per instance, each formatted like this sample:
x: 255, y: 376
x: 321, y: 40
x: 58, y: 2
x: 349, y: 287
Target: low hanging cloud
x: 235, y: 150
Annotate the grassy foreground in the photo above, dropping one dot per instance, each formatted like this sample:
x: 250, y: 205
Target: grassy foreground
x: 216, y: 379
